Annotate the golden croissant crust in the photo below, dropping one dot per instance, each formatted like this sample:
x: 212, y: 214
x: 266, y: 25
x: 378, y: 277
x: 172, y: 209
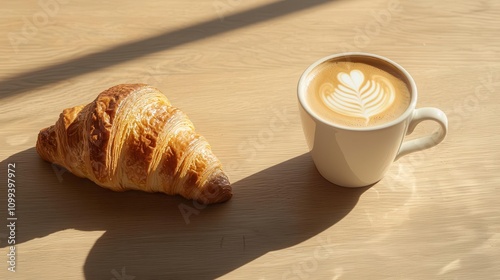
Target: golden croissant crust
x: 130, y: 137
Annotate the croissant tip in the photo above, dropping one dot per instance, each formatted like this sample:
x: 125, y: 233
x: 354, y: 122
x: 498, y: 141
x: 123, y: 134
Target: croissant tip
x: 218, y: 190
x: 46, y: 144
x: 226, y: 193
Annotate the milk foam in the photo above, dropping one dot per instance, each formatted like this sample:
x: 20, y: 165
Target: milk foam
x: 357, y: 93
x: 357, y: 96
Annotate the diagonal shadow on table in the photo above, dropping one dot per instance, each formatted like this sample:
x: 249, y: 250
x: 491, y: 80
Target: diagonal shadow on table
x: 114, y: 55
x: 148, y: 237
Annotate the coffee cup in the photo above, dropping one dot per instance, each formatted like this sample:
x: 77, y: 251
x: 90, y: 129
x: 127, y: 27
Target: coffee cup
x: 356, y: 108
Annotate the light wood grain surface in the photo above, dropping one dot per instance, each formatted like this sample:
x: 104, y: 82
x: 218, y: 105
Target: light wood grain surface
x: 233, y: 66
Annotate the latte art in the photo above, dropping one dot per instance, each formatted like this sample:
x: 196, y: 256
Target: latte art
x: 357, y: 93
x: 356, y: 96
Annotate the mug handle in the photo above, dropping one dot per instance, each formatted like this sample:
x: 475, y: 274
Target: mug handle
x: 425, y: 142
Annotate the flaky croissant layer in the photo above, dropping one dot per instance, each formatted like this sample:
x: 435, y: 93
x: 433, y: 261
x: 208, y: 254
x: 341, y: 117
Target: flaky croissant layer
x: 131, y: 138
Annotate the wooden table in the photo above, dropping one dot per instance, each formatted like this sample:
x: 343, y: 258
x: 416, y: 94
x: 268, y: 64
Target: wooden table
x: 233, y: 66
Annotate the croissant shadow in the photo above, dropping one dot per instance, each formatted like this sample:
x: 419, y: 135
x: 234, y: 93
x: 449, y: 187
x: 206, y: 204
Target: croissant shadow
x: 147, y: 234
x: 49, y: 199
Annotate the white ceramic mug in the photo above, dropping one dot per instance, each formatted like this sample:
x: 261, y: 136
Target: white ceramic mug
x: 357, y: 157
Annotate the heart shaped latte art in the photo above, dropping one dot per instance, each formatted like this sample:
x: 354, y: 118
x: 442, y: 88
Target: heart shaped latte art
x: 355, y: 96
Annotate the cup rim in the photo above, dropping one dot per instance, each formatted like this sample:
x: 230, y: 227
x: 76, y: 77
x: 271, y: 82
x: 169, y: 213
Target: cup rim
x: 301, y: 93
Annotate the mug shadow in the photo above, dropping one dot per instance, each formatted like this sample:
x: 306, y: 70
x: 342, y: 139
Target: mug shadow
x: 155, y: 236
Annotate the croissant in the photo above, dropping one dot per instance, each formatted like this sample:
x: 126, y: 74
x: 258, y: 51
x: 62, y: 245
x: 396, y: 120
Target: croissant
x: 131, y: 138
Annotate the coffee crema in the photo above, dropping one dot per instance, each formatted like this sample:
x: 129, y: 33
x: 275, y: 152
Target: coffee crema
x: 356, y: 94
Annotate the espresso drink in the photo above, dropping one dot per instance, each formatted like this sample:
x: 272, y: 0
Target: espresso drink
x: 357, y: 93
